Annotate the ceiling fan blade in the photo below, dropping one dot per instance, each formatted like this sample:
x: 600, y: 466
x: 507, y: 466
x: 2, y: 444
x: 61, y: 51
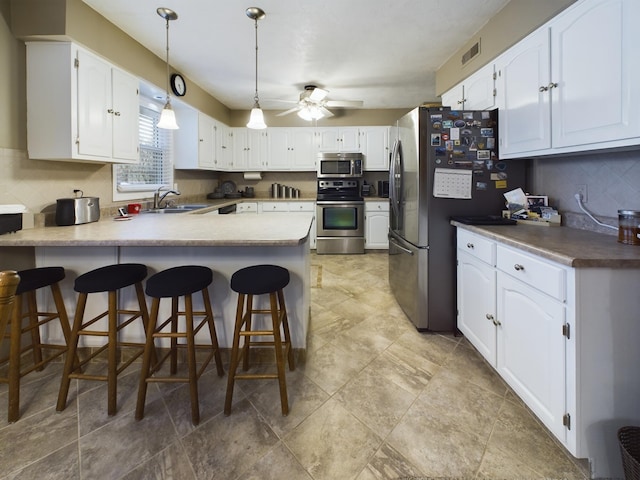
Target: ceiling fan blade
x: 325, y: 112
x: 318, y: 94
x: 344, y: 103
x: 287, y: 112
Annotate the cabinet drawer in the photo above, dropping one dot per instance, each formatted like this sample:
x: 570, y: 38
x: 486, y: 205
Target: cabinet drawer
x: 302, y: 206
x: 477, y: 246
x: 275, y: 207
x: 534, y: 271
x: 376, y: 206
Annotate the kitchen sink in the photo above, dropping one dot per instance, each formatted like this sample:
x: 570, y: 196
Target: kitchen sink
x: 177, y: 208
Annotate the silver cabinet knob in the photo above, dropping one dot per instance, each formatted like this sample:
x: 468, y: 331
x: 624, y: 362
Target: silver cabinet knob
x: 470, y: 245
x: 518, y: 267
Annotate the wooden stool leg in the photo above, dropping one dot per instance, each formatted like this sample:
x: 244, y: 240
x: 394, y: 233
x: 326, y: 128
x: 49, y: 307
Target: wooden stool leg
x: 147, y: 358
x: 277, y: 343
x: 14, y: 361
x: 191, y: 360
x: 174, y: 340
x: 72, y: 352
x: 112, y: 366
x: 235, y: 359
x: 247, y: 339
x: 285, y: 328
x: 212, y: 330
x: 142, y: 303
x: 64, y: 319
x: 34, y: 331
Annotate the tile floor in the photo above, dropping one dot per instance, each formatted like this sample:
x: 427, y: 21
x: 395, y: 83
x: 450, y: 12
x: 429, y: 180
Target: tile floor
x: 374, y: 399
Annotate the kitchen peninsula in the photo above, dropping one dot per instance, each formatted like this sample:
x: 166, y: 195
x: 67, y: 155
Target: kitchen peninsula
x: 224, y: 243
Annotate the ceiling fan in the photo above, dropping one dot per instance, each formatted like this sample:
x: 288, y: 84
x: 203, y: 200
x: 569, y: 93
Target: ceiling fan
x: 313, y: 104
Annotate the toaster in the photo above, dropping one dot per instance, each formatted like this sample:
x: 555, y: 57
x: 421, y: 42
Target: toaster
x: 76, y: 211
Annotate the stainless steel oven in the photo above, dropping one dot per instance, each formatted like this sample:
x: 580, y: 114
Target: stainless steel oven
x: 340, y: 165
x: 339, y: 217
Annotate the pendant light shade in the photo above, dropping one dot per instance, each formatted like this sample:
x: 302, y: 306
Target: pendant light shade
x: 168, y: 116
x: 256, y: 120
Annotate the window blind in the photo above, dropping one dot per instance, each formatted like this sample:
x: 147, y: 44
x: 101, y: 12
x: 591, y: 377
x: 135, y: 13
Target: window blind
x: 155, y: 167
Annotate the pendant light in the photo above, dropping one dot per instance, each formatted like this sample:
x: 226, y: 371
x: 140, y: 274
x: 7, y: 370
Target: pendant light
x: 168, y: 116
x: 256, y: 120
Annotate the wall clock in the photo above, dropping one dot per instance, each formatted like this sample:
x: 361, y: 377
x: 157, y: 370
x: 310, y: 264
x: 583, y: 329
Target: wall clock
x: 178, y: 85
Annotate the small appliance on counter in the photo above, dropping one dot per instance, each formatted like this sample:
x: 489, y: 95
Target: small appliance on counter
x: 76, y: 211
x: 383, y: 188
x: 11, y: 218
x: 366, y: 189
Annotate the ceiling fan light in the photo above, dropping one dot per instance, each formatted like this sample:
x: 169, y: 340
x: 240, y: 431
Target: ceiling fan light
x: 168, y: 118
x: 256, y: 120
x: 310, y: 113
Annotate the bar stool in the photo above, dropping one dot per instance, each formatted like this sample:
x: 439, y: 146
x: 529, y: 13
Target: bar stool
x: 30, y: 281
x: 248, y: 282
x: 111, y: 279
x: 174, y: 283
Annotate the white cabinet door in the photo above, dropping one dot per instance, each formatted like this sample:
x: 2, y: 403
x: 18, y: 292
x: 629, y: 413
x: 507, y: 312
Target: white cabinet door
x: 94, y: 102
x: 374, y: 145
x: 524, y: 118
x: 126, y: 107
x: 475, y: 93
x: 303, y: 149
x: 224, y: 147
x: 454, y: 97
x: 376, y: 225
x: 479, y: 89
x: 531, y: 349
x: 338, y: 139
x: 250, y: 150
x: 476, y: 284
x: 206, y: 142
x: 596, y: 99
x: 279, y: 149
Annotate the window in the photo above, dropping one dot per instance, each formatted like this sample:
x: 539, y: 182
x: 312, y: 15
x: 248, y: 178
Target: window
x: 155, y: 168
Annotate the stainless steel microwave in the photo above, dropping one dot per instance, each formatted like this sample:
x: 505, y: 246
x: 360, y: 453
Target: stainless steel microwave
x: 340, y: 165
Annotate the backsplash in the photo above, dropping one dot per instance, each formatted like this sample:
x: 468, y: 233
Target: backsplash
x: 612, y: 180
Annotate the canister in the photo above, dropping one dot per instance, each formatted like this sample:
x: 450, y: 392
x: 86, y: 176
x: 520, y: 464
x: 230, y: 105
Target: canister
x: 629, y: 227
x: 275, y: 190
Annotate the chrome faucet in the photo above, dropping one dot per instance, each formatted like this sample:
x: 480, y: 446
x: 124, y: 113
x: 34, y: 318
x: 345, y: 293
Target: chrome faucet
x: 157, y: 198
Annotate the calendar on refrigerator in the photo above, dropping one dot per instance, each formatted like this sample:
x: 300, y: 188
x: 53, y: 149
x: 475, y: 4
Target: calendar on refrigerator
x: 452, y: 183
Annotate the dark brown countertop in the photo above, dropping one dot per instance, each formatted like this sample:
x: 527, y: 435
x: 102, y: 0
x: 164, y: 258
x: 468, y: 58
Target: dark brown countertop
x: 567, y: 246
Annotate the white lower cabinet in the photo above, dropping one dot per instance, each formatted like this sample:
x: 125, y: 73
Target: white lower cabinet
x: 293, y: 206
x: 563, y: 338
x: 376, y: 225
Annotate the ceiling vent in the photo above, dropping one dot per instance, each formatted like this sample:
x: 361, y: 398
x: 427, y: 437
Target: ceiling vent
x: 471, y: 53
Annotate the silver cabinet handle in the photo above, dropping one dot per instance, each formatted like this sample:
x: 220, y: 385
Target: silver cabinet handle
x: 489, y: 316
x: 553, y: 85
x: 543, y: 89
x: 518, y: 267
x: 470, y: 245
x: 110, y: 110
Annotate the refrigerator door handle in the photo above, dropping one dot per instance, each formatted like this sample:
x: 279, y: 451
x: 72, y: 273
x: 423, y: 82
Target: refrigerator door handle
x: 400, y: 247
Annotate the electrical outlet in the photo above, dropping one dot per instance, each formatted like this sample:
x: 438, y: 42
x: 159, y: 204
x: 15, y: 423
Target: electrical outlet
x: 582, y: 191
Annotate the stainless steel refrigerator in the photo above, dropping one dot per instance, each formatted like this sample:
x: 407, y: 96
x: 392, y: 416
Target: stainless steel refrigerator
x: 444, y: 163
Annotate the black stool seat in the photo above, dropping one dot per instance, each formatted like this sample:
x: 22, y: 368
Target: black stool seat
x: 110, y: 278
x: 260, y: 279
x: 36, y: 278
x: 179, y: 281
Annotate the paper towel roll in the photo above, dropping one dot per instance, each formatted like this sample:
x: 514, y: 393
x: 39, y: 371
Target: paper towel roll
x: 253, y: 175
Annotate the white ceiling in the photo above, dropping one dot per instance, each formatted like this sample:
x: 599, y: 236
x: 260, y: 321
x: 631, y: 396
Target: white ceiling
x: 383, y: 52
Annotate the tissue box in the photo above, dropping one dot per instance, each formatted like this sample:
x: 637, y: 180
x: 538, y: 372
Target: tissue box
x: 10, y: 222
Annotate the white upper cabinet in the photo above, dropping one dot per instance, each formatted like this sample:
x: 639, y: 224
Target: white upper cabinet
x: 338, y: 139
x: 250, y: 150
x: 574, y: 84
x: 195, y: 142
x: 292, y: 149
x: 524, y: 111
x: 374, y: 145
x: 475, y: 93
x: 79, y: 107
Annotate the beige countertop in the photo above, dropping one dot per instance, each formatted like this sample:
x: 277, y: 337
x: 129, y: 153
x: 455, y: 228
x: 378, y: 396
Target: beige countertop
x: 183, y: 229
x: 567, y: 246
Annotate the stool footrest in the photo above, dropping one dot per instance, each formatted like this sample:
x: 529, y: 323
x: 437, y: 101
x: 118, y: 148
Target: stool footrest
x: 256, y: 376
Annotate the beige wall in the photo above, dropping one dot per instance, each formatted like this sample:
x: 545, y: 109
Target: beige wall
x: 514, y: 22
